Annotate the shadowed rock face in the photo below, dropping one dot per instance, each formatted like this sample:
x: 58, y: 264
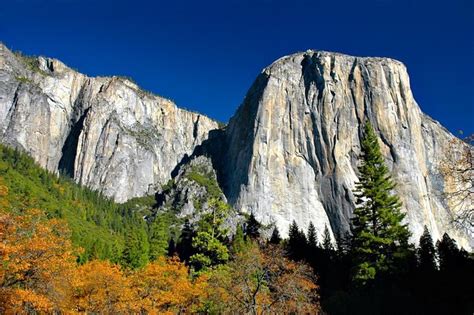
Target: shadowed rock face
x: 289, y: 153
x: 294, y: 143
x: 105, y: 132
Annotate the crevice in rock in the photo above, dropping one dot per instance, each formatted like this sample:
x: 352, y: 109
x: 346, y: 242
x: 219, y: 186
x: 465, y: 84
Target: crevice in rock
x: 195, y: 127
x: 69, y: 150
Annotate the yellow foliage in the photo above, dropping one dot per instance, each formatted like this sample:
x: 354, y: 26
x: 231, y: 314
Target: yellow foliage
x: 101, y: 287
x: 37, y: 263
x: 165, y: 286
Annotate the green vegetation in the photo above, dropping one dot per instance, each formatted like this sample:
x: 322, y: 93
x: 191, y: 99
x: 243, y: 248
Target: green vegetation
x: 103, y: 228
x: 208, y: 247
x: 23, y: 79
x: 31, y: 62
x: 379, y: 236
x: 206, y: 180
x: 144, y: 136
x: 208, y: 243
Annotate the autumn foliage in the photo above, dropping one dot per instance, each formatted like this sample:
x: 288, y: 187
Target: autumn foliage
x: 261, y: 280
x: 39, y: 274
x: 37, y: 259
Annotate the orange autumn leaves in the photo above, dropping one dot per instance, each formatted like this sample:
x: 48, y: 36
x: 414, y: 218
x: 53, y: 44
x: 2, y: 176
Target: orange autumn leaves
x: 161, y: 287
x: 36, y: 258
x: 262, y: 281
x: 38, y: 274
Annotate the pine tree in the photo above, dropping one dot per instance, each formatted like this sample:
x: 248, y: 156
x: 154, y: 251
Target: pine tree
x: 184, y: 247
x: 209, y: 249
x: 379, y: 237
x: 426, y: 253
x: 275, y: 238
x: 158, y: 238
x: 238, y: 243
x: 312, y: 237
x: 252, y: 227
x: 449, y: 253
x: 297, y: 242
x: 327, y: 243
x: 136, y: 251
x: 171, y: 248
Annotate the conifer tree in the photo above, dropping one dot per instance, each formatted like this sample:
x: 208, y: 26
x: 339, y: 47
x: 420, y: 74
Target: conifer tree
x: 426, y: 253
x: 297, y: 242
x: 449, y: 254
x: 252, y: 227
x: 184, y: 247
x: 327, y: 243
x: 209, y: 249
x: 158, y: 238
x: 171, y: 248
x: 238, y: 243
x: 312, y: 237
x: 136, y: 251
x: 275, y: 238
x: 379, y: 237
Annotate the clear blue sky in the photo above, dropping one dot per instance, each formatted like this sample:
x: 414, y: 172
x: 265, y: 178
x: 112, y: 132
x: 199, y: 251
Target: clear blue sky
x: 205, y: 55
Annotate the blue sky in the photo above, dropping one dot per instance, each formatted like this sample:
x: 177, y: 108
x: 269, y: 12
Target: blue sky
x: 205, y: 55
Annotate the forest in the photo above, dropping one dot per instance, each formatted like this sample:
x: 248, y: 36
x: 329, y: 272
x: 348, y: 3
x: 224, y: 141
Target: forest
x: 68, y: 249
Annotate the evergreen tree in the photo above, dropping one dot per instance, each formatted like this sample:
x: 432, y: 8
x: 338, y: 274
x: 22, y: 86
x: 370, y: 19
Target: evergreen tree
x: 252, y: 227
x: 379, y: 237
x: 136, y: 251
x: 312, y: 237
x: 171, y: 248
x: 238, y: 243
x: 327, y: 243
x: 275, y: 238
x: 449, y: 253
x: 426, y: 253
x: 297, y: 242
x: 209, y: 249
x: 184, y: 248
x: 158, y: 238
x: 344, y: 243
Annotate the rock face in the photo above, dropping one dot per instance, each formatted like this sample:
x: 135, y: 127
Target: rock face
x: 289, y: 153
x: 194, y: 191
x: 294, y: 143
x: 105, y: 132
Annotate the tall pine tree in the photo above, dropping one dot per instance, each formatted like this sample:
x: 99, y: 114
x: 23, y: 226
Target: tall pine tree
x: 327, y: 243
x: 207, y: 244
x: 426, y: 253
x: 312, y: 237
x: 379, y: 237
x: 449, y: 253
x: 297, y: 242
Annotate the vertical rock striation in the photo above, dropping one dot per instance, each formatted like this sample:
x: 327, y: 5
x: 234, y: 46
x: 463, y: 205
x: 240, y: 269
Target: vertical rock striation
x: 289, y: 153
x: 294, y: 143
x: 105, y: 132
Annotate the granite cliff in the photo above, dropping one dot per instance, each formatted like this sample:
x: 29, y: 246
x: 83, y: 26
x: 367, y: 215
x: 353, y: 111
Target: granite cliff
x: 290, y: 151
x: 294, y: 143
x: 105, y: 132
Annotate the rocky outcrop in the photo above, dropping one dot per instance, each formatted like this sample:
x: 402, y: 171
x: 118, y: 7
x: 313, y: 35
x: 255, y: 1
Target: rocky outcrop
x: 294, y: 143
x: 193, y: 191
x: 105, y: 132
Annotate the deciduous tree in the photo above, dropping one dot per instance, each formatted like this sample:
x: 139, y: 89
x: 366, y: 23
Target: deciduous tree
x: 457, y: 167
